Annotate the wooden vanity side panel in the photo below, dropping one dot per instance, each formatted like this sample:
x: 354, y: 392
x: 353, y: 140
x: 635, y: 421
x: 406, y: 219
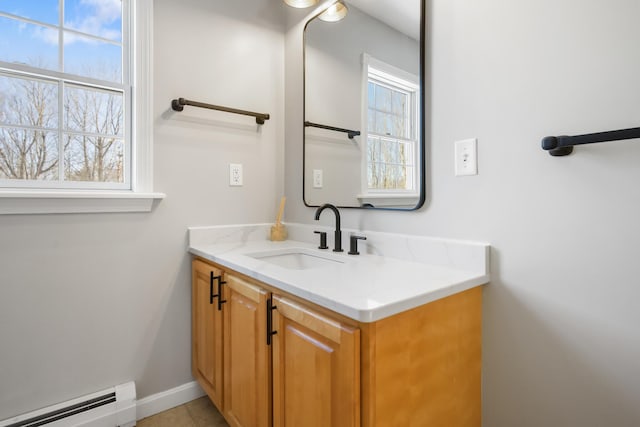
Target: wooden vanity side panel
x: 423, y: 367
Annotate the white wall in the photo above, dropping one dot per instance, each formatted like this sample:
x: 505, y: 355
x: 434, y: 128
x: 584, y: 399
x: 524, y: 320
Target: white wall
x: 89, y: 301
x: 561, y: 341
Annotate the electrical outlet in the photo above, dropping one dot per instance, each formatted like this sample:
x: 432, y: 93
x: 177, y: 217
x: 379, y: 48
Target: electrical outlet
x: 235, y: 174
x: 317, y: 178
x: 466, y: 157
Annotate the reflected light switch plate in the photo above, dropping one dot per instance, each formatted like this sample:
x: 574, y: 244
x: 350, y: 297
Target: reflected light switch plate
x: 317, y: 178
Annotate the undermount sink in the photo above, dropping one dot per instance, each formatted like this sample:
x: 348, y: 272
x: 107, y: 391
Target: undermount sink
x: 296, y: 258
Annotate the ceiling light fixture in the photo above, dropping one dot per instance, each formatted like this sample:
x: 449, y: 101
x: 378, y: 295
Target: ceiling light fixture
x: 300, y: 3
x: 335, y: 12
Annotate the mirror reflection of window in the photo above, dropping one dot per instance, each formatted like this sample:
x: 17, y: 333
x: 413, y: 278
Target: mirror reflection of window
x: 391, y: 125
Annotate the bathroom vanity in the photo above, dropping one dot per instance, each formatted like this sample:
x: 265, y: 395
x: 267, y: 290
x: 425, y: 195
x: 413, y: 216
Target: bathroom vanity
x: 285, y: 334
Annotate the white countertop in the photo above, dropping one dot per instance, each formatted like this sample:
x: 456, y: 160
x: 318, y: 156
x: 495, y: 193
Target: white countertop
x: 364, y: 287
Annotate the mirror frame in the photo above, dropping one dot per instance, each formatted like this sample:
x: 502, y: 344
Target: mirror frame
x: 422, y: 100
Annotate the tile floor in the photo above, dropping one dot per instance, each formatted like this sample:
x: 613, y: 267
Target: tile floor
x: 197, y: 413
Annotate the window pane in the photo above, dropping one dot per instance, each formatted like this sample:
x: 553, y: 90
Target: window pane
x: 388, y: 177
x: 28, y: 44
x: 385, y: 124
x: 389, y: 151
x: 392, y: 177
x: 383, y: 98
x: 379, y: 123
x: 371, y: 94
x: 387, y: 164
x: 89, y: 57
x: 28, y: 102
x: 98, y: 159
x: 37, y: 10
x: 373, y: 147
x: 401, y: 182
x: 382, y: 170
x: 371, y: 120
x: 371, y: 175
x: 401, y: 178
x: 398, y: 126
x: 94, y: 111
x: 409, y: 173
x: 407, y: 154
x: 375, y: 181
x: 101, y: 18
x: 399, y: 100
x: 389, y: 125
x: 28, y: 154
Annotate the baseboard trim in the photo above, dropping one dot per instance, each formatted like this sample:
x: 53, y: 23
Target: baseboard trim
x: 168, y: 399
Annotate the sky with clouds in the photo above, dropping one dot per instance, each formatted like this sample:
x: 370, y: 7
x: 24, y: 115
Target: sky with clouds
x: 36, y: 44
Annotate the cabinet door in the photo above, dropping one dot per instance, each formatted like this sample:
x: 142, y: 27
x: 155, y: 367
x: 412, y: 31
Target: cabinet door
x: 316, y: 369
x: 207, y: 330
x: 247, y: 397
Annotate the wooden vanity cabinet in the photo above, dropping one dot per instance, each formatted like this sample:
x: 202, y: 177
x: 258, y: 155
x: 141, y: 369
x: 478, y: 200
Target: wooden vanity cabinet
x: 247, y: 358
x: 316, y: 369
x: 230, y: 358
x: 316, y: 359
x: 421, y: 367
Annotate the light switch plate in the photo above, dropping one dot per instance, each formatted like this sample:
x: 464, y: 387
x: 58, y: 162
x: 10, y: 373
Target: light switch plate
x: 466, y: 157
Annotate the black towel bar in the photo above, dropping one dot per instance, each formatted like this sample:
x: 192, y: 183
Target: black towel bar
x: 178, y: 105
x: 350, y: 133
x: 563, y: 145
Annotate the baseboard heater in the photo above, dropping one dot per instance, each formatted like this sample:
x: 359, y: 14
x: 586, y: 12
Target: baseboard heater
x: 114, y: 407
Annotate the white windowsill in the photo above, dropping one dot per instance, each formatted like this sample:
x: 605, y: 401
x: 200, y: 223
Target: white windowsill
x: 381, y: 200
x: 58, y: 202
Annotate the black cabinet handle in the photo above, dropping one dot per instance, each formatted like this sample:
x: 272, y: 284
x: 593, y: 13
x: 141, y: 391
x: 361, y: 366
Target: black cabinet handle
x: 219, y: 294
x: 270, y: 308
x: 211, y: 294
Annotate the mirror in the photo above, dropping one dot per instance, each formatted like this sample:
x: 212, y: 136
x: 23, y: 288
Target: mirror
x: 364, y: 107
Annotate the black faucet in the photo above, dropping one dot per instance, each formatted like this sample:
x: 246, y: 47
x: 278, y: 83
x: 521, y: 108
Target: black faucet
x: 338, y: 232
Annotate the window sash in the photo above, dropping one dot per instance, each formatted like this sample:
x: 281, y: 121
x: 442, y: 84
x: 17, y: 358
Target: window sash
x: 64, y: 79
x: 409, y: 128
x: 61, y: 29
x: 384, y: 75
x: 409, y: 165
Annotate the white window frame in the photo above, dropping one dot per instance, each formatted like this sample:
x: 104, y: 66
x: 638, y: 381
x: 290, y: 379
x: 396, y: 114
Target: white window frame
x: 139, y: 195
x: 390, y: 197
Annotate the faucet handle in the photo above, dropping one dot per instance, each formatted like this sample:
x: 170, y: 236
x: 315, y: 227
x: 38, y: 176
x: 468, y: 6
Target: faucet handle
x: 323, y: 239
x: 353, y: 244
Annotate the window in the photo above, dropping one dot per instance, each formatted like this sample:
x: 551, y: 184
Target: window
x: 392, y: 130
x: 69, y: 118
